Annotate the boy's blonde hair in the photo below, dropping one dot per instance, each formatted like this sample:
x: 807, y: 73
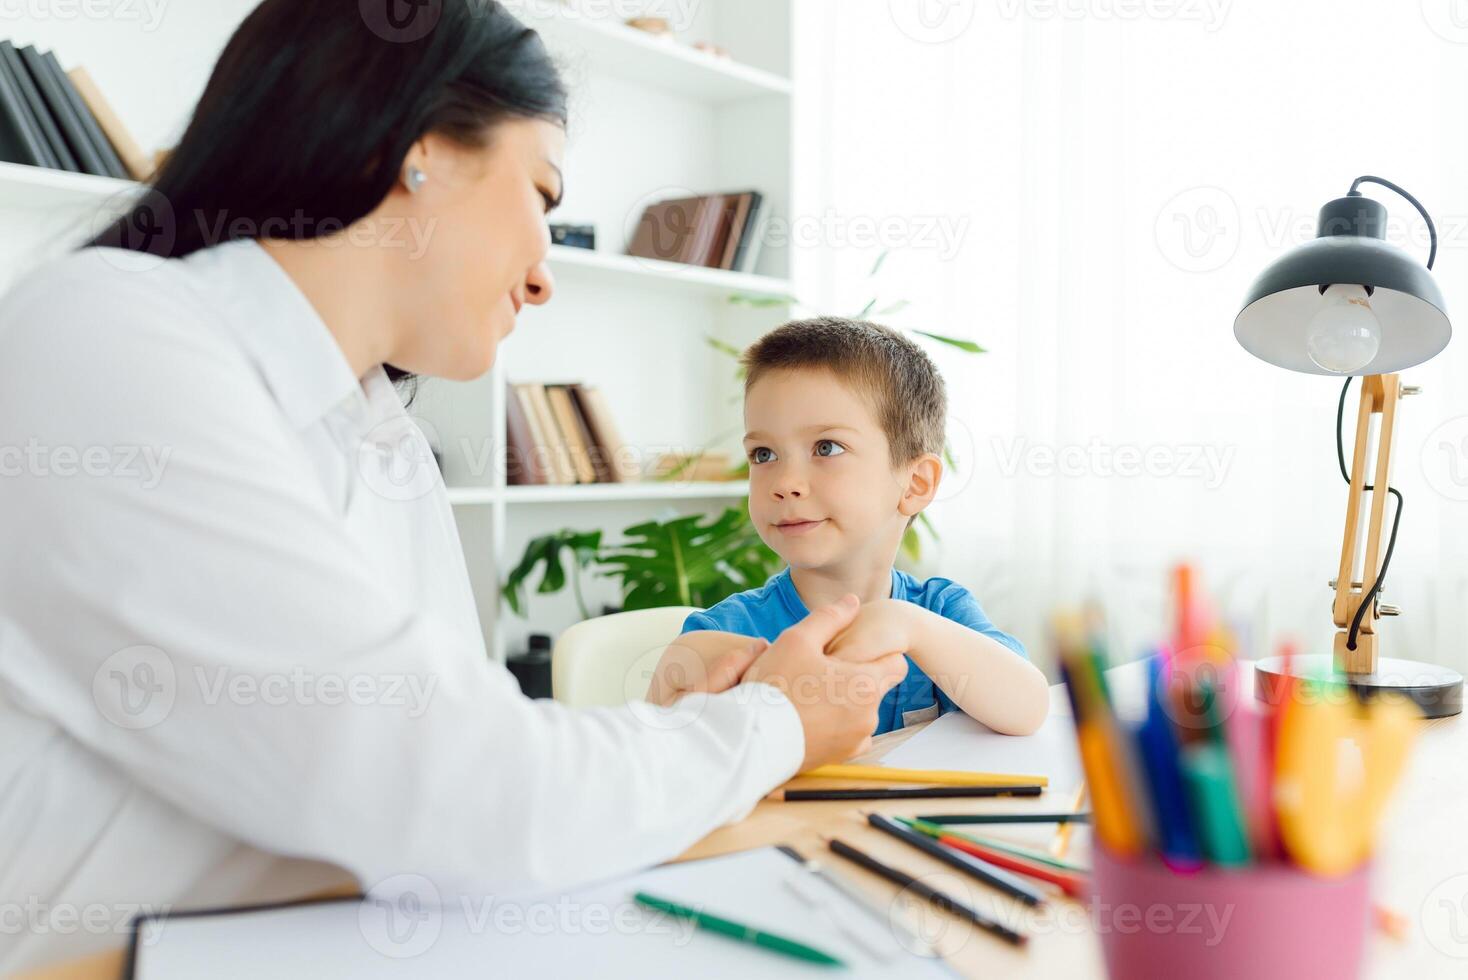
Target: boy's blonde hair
x: 904, y: 387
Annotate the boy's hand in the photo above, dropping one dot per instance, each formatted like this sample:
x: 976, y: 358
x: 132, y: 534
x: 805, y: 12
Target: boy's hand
x: 837, y: 701
x: 881, y: 628
x: 704, y: 660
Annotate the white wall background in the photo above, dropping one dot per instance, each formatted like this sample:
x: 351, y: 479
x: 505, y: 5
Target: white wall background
x: 1111, y: 175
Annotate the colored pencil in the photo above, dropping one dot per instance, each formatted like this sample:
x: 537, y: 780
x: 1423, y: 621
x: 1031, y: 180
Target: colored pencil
x: 738, y: 931
x: 1002, y: 818
x: 922, y: 889
x: 910, y: 793
x: 975, y: 868
x: 1060, y: 843
x: 937, y: 777
x: 1073, y: 885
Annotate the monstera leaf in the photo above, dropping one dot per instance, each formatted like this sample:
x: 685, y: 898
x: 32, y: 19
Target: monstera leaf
x: 546, y: 550
x: 688, y: 561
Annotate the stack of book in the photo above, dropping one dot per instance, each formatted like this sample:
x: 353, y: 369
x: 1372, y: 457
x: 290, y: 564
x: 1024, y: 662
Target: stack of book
x: 718, y: 231
x: 564, y: 434
x: 49, y: 118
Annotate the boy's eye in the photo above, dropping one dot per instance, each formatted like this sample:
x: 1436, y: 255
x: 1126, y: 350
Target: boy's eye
x: 828, y: 448
x: 761, y: 454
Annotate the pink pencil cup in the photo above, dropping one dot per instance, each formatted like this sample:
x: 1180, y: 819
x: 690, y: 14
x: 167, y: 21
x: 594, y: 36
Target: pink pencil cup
x: 1270, y: 922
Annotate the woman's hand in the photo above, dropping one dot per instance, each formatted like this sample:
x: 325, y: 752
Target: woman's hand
x: 704, y: 660
x: 836, y: 699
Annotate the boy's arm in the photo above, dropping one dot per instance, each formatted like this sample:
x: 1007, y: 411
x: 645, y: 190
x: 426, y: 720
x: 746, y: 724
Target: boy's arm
x: 986, y: 679
x: 702, y: 660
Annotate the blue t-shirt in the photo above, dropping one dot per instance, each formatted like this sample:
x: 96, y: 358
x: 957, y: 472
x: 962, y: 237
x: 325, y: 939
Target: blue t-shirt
x: 768, y: 610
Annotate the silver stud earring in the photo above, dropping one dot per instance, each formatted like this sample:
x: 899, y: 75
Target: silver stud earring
x: 415, y: 179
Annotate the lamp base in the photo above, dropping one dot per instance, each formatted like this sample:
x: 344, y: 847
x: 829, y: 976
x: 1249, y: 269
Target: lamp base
x: 1438, y: 691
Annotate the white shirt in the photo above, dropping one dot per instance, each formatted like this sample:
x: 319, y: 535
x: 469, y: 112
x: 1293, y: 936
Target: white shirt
x: 235, y: 638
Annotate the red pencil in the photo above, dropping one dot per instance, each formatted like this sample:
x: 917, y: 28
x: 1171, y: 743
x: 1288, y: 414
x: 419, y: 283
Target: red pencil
x: 1073, y: 885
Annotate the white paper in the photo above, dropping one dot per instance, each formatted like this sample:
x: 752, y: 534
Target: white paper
x: 597, y: 931
x: 956, y: 741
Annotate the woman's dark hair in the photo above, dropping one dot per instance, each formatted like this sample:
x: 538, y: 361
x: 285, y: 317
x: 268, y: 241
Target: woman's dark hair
x: 314, y: 105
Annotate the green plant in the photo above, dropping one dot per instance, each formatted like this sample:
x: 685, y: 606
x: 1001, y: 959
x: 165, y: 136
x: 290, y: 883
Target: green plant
x: 686, y: 561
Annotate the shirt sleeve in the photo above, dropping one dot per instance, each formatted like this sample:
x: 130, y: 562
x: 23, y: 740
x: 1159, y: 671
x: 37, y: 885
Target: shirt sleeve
x: 698, y: 621
x: 233, y: 569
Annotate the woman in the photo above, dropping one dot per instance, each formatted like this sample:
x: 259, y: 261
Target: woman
x: 232, y: 660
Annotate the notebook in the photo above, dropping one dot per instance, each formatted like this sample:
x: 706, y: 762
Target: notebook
x: 596, y: 931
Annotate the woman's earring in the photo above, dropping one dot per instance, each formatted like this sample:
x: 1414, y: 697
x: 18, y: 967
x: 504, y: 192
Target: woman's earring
x: 415, y: 179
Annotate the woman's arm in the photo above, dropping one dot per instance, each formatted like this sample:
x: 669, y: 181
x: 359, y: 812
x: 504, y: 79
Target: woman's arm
x: 237, y: 578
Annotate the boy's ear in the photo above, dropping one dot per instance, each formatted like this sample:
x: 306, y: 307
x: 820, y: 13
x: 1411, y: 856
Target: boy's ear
x: 924, y: 475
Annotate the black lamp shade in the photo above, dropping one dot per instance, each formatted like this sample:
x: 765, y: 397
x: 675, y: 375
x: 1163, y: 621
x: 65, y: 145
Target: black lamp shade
x: 1274, y: 322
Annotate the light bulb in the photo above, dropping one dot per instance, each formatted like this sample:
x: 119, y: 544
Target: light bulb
x: 1344, y: 335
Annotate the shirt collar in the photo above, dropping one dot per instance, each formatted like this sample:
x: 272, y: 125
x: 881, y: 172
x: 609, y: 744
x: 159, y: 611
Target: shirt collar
x: 796, y: 606
x: 297, y: 355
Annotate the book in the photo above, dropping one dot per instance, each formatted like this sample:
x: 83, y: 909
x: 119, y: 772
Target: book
x: 21, y: 140
x: 557, y: 452
x: 621, y: 463
x: 135, y: 161
x: 736, y: 229
x: 539, y: 451
x: 665, y: 230
x: 522, y: 456
x: 749, y: 250
x: 57, y: 154
x: 64, y: 113
x: 572, y: 431
x: 112, y: 165
x: 749, y: 232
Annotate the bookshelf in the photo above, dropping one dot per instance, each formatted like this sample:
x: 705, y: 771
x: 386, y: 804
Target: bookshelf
x: 650, y: 119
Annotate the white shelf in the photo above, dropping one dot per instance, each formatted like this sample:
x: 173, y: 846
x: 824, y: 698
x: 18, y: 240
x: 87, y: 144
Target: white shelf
x: 597, y: 493
x: 664, y: 63
x: 38, y: 187
x: 629, y: 270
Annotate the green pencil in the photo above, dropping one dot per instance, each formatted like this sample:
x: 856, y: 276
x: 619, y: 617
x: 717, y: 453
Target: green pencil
x: 727, y: 927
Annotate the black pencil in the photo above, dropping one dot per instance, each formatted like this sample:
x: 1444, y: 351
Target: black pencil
x: 907, y: 882
x: 904, y: 793
x: 989, y: 874
x: 1007, y: 818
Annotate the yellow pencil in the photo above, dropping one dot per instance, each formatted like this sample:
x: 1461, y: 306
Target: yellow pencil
x: 1060, y: 843
x: 938, y: 777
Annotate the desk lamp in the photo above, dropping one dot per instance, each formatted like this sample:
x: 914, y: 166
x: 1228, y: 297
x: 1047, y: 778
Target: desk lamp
x: 1350, y: 304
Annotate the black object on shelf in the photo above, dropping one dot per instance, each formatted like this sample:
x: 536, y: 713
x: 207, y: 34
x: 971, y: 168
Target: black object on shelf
x: 532, y: 668
x: 574, y: 236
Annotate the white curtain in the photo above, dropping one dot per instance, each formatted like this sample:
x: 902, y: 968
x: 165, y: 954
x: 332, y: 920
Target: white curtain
x: 1087, y: 189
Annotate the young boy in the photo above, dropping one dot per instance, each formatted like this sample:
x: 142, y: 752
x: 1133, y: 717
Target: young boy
x: 845, y: 425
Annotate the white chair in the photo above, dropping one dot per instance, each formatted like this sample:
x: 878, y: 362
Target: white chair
x: 609, y: 660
